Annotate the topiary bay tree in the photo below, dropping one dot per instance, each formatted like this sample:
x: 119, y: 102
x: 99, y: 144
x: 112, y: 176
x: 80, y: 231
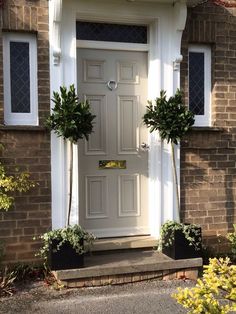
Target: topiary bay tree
x: 171, y: 118
x: 72, y: 120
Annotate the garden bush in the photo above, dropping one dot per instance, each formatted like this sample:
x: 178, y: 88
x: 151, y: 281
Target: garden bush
x: 215, y: 293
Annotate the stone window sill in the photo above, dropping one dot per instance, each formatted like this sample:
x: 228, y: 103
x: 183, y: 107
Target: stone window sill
x: 207, y: 129
x: 22, y: 128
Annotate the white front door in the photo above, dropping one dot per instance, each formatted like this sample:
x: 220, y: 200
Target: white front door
x: 114, y: 201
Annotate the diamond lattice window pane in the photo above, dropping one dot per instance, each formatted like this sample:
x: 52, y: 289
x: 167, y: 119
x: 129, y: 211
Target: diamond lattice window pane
x: 20, y: 77
x: 196, y: 82
x: 111, y: 32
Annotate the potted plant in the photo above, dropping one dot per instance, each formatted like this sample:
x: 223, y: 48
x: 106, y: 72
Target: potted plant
x: 71, y: 119
x: 179, y: 240
x: 173, y: 120
x: 64, y: 248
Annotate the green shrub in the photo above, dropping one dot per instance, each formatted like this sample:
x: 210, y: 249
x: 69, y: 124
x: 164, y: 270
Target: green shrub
x: 12, y: 183
x: 9, y: 183
x: 25, y: 272
x: 215, y: 293
x: 232, y: 238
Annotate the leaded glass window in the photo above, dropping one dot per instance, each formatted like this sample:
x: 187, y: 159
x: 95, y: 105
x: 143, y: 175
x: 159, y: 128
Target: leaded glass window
x: 111, y: 32
x: 20, y: 77
x: 20, y: 74
x: 196, y: 82
x: 200, y: 83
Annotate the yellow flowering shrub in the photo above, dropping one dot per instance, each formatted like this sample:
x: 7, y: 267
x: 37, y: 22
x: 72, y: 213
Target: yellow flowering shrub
x: 215, y: 293
x: 232, y: 239
x: 19, y: 182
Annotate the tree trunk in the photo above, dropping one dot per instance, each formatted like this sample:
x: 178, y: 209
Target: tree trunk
x: 70, y: 183
x: 175, y: 178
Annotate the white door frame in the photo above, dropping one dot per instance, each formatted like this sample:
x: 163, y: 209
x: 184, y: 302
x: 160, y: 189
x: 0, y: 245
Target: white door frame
x: 166, y: 23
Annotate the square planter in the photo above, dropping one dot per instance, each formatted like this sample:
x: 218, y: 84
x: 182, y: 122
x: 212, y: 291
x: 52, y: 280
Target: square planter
x: 65, y: 258
x: 180, y: 248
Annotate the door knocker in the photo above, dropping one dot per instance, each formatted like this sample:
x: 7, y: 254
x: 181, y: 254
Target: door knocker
x: 112, y: 85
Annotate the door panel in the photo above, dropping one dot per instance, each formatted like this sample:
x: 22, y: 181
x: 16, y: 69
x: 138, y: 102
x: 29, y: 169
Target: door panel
x: 129, y: 193
x: 96, y: 196
x: 127, y: 121
x: 114, y: 202
x: 97, y: 144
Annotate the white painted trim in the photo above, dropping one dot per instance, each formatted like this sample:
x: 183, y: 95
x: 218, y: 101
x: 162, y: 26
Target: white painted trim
x: 114, y: 11
x: 12, y: 118
x: 166, y: 24
x: 204, y: 120
x: 58, y: 148
x: 107, y: 45
x: 56, y: 14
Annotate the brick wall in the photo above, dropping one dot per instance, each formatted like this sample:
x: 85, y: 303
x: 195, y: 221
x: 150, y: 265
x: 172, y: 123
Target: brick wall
x: 208, y: 172
x: 27, y: 148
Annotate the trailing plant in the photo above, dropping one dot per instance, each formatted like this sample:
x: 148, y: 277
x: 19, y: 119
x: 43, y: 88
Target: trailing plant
x: 191, y: 233
x: 171, y: 118
x: 12, y: 183
x: 215, y: 293
x: 71, y: 234
x: 72, y: 120
x: 232, y: 238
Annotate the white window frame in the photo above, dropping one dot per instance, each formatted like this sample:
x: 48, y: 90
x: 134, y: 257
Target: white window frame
x: 12, y: 118
x: 204, y: 120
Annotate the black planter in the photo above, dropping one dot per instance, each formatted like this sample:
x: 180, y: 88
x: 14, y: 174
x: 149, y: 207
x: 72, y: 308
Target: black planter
x: 65, y: 258
x: 180, y: 248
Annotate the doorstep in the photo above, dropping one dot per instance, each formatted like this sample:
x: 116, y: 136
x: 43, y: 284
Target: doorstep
x: 126, y: 267
x: 123, y: 243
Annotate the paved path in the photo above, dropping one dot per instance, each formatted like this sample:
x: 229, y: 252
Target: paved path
x: 139, y: 298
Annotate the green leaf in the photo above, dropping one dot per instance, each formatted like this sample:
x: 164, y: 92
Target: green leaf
x: 70, y: 118
x: 169, y: 116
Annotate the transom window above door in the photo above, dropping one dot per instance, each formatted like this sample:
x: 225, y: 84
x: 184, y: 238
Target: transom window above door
x: 111, y: 32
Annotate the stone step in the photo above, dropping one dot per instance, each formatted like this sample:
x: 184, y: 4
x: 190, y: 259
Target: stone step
x: 125, y: 267
x: 124, y: 243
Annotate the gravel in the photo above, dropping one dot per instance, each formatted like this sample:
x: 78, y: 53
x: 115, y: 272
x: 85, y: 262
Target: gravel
x: 144, y: 297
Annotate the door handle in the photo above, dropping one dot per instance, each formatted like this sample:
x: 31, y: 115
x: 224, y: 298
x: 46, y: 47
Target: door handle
x: 112, y: 85
x: 145, y: 147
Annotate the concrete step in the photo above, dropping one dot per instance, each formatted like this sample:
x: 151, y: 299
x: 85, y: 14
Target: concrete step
x: 125, y: 267
x: 124, y: 243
